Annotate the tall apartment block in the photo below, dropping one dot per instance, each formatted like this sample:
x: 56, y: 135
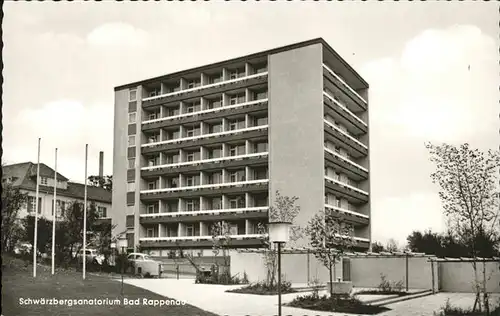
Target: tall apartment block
x: 215, y: 143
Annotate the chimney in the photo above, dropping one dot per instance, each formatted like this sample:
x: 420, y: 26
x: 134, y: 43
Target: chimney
x: 101, y: 162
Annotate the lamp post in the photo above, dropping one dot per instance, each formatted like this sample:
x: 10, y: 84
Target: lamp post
x: 122, y: 244
x: 279, y: 234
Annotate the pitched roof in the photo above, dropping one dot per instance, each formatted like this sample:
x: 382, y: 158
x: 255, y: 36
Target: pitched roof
x: 24, y: 175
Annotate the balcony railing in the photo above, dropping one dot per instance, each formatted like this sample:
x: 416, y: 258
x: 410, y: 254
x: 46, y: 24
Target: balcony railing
x: 346, y: 185
x: 344, y: 133
x: 345, y: 159
x: 223, y: 108
x: 204, y: 161
x: 212, y: 85
x: 209, y: 212
x: 345, y: 109
x: 343, y: 210
x: 182, y: 139
x: 205, y: 186
x: 344, y: 83
x: 180, y: 238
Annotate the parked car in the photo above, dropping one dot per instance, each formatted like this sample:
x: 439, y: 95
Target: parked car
x: 145, y: 265
x: 24, y: 249
x: 91, y: 255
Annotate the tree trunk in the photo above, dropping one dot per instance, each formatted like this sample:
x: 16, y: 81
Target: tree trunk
x: 485, y: 291
x: 331, y: 280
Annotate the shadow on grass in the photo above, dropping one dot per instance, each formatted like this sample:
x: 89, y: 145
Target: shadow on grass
x: 19, y: 285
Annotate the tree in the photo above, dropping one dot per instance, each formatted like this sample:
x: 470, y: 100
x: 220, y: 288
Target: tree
x: 69, y: 230
x: 330, y: 238
x: 392, y: 245
x: 102, y: 239
x: 12, y: 201
x: 468, y: 181
x: 221, y: 240
x: 377, y: 247
x: 105, y: 182
x: 44, y: 232
x: 429, y: 243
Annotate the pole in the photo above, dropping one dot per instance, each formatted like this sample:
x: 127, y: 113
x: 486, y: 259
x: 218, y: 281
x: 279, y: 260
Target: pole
x: 433, y: 282
x: 279, y: 279
x: 35, y: 243
x: 407, y: 281
x: 54, y: 216
x: 85, y: 213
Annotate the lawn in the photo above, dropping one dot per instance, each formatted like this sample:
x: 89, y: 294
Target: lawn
x: 18, y: 284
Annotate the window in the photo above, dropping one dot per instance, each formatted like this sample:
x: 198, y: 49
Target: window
x: 152, y: 139
x: 233, y: 151
x: 131, y: 141
x: 193, y: 83
x: 216, y: 78
x: 191, y: 205
x: 215, y: 178
x: 152, y: 185
x: 43, y: 181
x: 233, y: 177
x: 151, y: 162
x: 190, y: 181
x: 131, y: 163
x: 214, y: 153
x: 132, y: 117
x: 259, y: 121
x: 150, y: 232
x: 260, y: 147
x: 152, y: 116
x: 233, y: 74
x: 101, y: 211
x: 260, y: 95
x: 130, y: 186
x: 132, y: 95
x: 233, y: 125
x: 233, y: 229
x: 190, y: 156
x: 215, y: 128
x: 31, y: 204
x: 260, y: 174
x: 233, y: 100
x: 190, y: 131
x: 190, y: 108
x: 150, y: 209
x: 233, y: 203
x: 189, y: 230
x: 153, y: 93
x: 216, y: 204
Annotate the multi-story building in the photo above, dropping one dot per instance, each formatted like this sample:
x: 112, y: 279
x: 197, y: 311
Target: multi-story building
x: 215, y: 143
x: 24, y: 177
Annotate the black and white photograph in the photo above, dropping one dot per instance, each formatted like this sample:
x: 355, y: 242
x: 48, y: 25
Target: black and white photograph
x: 250, y: 158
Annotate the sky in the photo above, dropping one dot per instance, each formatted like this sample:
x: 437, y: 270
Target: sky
x: 432, y: 69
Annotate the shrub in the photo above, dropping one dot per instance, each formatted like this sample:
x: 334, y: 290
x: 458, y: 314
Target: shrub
x: 388, y: 287
x: 264, y: 288
x: 342, y: 303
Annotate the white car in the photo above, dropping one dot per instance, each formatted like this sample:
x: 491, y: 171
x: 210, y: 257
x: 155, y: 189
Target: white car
x: 91, y: 255
x: 136, y: 256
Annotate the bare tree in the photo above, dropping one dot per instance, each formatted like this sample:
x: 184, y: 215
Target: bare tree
x: 468, y: 181
x: 392, y: 245
x: 329, y: 238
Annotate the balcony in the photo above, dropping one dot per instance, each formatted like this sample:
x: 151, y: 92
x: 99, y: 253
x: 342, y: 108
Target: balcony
x: 206, y: 164
x: 206, y: 189
x: 352, y: 169
x: 205, y: 215
x: 199, y: 91
x: 241, y: 108
x: 200, y: 140
x: 246, y: 240
x: 358, y: 101
x: 357, y: 219
x: 347, y: 191
x: 357, y: 148
x: 344, y: 115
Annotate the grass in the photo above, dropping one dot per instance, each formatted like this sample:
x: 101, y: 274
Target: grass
x: 18, y: 283
x: 340, y: 303
x: 450, y: 310
x: 261, y: 288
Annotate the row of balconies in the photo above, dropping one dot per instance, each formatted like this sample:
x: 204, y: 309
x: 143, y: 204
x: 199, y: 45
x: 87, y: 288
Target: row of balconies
x: 218, y: 152
x: 198, y: 129
x: 354, y: 100
x: 339, y: 158
x: 202, y: 105
x: 201, y: 178
x: 165, y: 93
x: 337, y: 135
x: 352, y: 122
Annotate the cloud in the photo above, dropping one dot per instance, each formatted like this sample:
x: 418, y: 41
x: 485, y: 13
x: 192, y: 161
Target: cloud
x: 118, y: 34
x: 67, y: 125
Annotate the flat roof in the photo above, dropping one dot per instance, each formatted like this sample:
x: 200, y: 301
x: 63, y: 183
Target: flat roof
x: 318, y: 40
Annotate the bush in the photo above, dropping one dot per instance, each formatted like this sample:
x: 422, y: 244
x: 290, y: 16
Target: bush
x: 215, y: 276
x: 449, y: 310
x: 342, y: 303
x: 388, y: 287
x: 263, y: 288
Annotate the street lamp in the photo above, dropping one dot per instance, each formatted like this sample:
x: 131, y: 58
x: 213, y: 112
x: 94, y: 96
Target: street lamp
x: 279, y: 234
x: 122, y: 244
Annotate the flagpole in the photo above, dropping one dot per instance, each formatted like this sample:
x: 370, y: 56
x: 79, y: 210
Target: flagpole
x: 36, y: 210
x: 85, y: 213
x: 54, y: 216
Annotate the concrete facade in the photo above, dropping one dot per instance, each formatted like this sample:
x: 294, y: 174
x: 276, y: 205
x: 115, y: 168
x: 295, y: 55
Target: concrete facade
x: 459, y: 276
x: 290, y: 117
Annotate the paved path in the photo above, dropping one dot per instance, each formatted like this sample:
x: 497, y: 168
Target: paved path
x: 213, y: 298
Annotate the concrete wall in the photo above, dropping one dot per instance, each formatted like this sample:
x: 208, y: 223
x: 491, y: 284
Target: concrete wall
x: 366, y: 272
x: 459, y: 276
x: 294, y: 267
x: 296, y: 164
x: 120, y: 162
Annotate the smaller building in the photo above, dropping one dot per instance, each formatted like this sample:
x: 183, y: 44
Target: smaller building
x: 24, y: 177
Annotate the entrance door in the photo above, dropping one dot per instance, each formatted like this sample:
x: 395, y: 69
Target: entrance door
x: 346, y: 269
